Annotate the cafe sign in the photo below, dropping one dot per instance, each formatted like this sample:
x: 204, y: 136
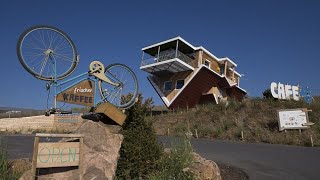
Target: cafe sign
x: 281, y: 91
x: 81, y: 94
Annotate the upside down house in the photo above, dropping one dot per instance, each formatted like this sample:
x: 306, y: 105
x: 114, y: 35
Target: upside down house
x: 184, y: 75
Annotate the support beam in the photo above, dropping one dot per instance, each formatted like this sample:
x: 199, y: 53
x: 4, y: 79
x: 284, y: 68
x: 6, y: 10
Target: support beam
x: 225, y: 68
x: 177, y: 45
x: 200, y: 58
x: 158, y: 53
x: 238, y: 81
x: 233, y: 69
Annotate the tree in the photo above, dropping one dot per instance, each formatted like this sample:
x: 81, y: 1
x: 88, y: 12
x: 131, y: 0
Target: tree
x: 140, y: 149
x: 267, y: 94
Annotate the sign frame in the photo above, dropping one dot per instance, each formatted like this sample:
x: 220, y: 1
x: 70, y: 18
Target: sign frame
x: 36, y: 151
x: 305, y: 110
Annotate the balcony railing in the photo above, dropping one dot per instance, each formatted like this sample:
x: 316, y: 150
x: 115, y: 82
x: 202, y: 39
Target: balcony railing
x: 167, y: 56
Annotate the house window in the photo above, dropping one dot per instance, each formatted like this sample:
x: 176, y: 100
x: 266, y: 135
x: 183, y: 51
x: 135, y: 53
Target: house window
x: 207, y: 63
x: 167, y: 85
x: 180, y: 84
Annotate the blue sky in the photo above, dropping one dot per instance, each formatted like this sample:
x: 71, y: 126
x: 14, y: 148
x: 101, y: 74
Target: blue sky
x: 269, y: 40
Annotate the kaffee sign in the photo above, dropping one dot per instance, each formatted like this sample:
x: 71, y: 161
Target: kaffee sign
x: 81, y: 94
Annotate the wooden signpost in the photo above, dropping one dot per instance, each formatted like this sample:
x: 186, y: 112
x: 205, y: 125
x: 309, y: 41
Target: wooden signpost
x: 57, y: 154
x: 82, y: 94
x: 293, y: 119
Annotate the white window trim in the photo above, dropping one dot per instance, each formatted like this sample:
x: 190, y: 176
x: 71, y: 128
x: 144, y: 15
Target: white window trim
x: 209, y: 63
x: 164, y: 86
x: 177, y: 83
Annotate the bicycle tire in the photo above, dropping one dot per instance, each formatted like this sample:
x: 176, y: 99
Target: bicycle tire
x: 134, y: 93
x: 26, y: 66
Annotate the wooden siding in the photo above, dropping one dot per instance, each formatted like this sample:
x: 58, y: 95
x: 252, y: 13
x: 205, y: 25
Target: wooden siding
x: 159, y: 80
x: 201, y: 84
x: 214, y: 65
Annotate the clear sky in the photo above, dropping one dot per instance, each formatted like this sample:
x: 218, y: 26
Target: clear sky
x: 269, y: 40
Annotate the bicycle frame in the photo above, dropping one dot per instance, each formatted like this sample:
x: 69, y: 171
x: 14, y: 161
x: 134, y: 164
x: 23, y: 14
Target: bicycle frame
x: 98, y: 76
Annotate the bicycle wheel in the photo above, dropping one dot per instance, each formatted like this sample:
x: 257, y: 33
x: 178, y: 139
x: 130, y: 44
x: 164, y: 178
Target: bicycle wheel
x: 40, y: 47
x: 124, y: 95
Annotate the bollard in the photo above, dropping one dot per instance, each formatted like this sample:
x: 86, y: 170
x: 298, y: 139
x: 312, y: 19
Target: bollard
x: 311, y: 139
x: 242, y: 135
x: 196, y: 133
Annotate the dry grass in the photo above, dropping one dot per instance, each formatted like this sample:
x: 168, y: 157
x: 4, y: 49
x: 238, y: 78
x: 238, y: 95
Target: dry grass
x: 257, y: 118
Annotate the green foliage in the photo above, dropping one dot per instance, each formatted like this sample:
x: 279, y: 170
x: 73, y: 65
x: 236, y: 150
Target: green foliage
x: 5, y: 171
x: 267, y: 94
x: 140, y: 151
x: 175, y: 163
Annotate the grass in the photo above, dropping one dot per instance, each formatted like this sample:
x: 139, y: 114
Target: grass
x: 257, y: 118
x: 6, y: 172
x: 175, y: 162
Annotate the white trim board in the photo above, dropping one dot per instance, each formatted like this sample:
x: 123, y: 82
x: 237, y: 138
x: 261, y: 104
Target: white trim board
x: 168, y: 61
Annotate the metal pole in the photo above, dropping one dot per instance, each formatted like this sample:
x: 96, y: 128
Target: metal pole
x: 158, y: 54
x: 95, y: 90
x: 177, y: 48
x: 142, y: 58
x: 55, y: 83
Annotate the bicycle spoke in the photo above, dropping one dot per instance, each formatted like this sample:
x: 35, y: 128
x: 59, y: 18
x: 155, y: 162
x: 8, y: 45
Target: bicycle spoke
x: 40, y: 41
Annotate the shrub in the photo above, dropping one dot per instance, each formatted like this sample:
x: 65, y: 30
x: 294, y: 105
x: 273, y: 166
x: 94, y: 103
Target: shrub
x: 267, y: 94
x: 140, y: 151
x: 175, y: 163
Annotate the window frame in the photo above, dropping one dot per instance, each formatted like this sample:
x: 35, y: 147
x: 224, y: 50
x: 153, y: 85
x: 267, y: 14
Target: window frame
x: 209, y: 65
x: 177, y: 83
x: 164, y: 86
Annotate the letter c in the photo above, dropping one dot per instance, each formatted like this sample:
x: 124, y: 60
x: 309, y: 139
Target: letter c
x: 272, y: 89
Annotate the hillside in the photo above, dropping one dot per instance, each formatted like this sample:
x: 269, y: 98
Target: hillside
x: 257, y: 118
x: 23, y: 112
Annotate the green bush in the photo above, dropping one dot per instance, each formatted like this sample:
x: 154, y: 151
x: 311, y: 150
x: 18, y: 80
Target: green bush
x: 140, y: 151
x: 175, y: 163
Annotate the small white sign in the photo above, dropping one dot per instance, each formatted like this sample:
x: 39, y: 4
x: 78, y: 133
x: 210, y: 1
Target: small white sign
x: 293, y: 119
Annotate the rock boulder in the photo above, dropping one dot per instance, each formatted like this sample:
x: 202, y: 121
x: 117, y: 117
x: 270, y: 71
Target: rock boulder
x: 101, y: 152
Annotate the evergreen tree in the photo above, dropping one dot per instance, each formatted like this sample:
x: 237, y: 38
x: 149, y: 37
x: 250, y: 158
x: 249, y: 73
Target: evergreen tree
x: 140, y: 150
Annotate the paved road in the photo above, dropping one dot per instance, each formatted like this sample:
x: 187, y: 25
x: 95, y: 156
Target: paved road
x: 259, y: 161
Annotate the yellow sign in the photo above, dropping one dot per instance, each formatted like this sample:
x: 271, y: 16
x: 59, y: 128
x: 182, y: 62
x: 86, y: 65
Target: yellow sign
x: 81, y: 94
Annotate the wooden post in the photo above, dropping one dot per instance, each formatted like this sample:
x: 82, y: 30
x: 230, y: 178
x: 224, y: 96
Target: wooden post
x: 311, y: 139
x: 225, y: 68
x: 242, y: 135
x: 196, y: 133
x: 233, y: 69
x: 81, y: 159
x: 168, y: 132
x: 34, y: 159
x: 300, y: 131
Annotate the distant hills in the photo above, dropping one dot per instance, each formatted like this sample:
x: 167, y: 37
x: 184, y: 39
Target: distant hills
x: 5, y: 109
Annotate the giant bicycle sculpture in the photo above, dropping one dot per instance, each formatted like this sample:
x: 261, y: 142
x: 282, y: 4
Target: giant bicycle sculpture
x: 49, y: 54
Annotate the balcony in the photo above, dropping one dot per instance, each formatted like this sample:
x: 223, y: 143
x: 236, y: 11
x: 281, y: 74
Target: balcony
x: 167, y: 61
